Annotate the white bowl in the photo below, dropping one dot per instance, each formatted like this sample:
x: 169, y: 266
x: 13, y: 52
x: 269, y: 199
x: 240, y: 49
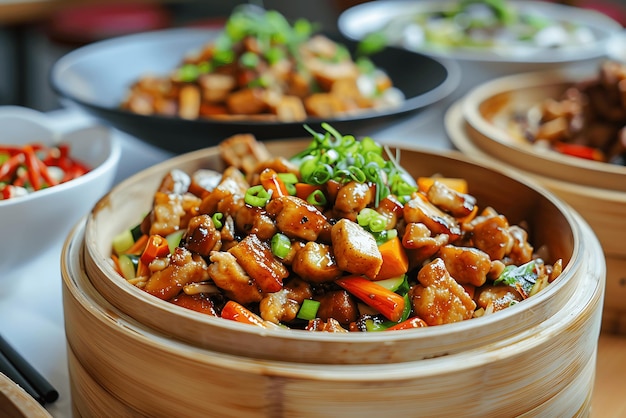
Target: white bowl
x: 33, y: 223
x: 484, y: 63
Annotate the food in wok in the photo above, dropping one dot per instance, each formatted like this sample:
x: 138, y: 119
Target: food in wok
x: 262, y: 67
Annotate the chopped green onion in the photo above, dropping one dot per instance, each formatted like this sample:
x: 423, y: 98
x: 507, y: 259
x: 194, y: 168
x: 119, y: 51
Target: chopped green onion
x: 317, y: 198
x: 288, y: 178
x: 308, y: 309
x: 249, y: 59
x: 257, y: 196
x: 371, y: 220
x: 217, y: 220
x: 281, y: 245
x: 188, y: 73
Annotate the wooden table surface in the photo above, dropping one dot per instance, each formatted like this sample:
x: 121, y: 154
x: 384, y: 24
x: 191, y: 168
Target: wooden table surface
x: 609, y: 394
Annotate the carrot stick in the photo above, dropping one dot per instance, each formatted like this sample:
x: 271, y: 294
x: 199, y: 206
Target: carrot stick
x: 270, y: 181
x: 411, y: 323
x: 156, y: 247
x: 388, y: 303
x: 239, y: 313
x: 138, y: 246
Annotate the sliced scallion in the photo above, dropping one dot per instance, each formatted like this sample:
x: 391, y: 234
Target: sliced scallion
x: 308, y: 309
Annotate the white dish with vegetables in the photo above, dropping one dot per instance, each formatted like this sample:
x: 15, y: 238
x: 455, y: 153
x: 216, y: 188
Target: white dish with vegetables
x: 48, y: 181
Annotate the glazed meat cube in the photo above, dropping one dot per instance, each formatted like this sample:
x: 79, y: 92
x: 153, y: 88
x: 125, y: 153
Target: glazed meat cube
x: 351, y: 199
x: 355, y: 249
x: 492, y: 236
x: 451, y: 201
x: 229, y: 276
x: 332, y: 325
x: 466, y: 265
x: 253, y: 220
x: 438, y: 298
x: 297, y: 218
x: 316, y: 263
x: 338, y: 304
x: 184, y: 267
x: 421, y: 210
x: 244, y: 152
x: 166, y: 214
x: 420, y: 244
x: 176, y: 181
x: 201, y: 236
x: 283, y: 306
x: 228, y: 196
x: 256, y: 258
x: 495, y: 298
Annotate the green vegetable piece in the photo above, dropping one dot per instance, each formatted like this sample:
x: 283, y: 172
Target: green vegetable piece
x: 317, y: 198
x: 123, y: 241
x: 308, y: 309
x: 280, y: 245
x: 217, y: 220
x: 173, y: 240
x: 522, y: 277
x: 257, y: 196
x: 249, y: 60
x: 128, y: 265
x: 188, y: 73
x: 372, y: 43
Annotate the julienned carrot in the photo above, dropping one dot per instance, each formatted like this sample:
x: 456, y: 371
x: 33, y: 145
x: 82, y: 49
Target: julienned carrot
x: 156, y: 247
x: 142, y: 269
x: 458, y: 184
x: 395, y: 260
x: 415, y: 322
x: 138, y: 246
x: 33, y: 167
x: 388, y: 303
x: 579, y: 151
x: 270, y: 181
x: 239, y: 313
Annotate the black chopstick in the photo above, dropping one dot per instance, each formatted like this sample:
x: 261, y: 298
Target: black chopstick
x: 16, y: 368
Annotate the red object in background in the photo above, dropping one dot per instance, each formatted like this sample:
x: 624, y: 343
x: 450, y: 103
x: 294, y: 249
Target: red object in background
x: 83, y: 24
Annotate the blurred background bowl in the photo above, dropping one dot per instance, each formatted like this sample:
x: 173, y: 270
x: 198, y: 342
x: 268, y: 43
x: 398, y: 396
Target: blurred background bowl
x: 118, y: 334
x: 96, y: 78
x: 596, y: 191
x: 31, y: 224
x: 479, y: 64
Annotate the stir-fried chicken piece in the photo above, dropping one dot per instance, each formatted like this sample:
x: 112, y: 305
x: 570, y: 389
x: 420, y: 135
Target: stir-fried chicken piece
x: 492, y: 236
x: 419, y: 209
x: 465, y: 264
x: 494, y: 298
x: 228, y: 196
x: 444, y: 197
x: 184, y: 267
x: 198, y: 302
x: 297, y: 218
x: 419, y: 243
x: 204, y: 181
x: 166, y: 213
x: 438, y: 298
x: 253, y: 220
x: 229, y: 276
x: 176, y: 181
x: 521, y: 251
x: 244, y: 152
x: 315, y: 263
x: 283, y: 306
x: 201, y: 236
x: 332, y: 325
x: 391, y: 209
x: 351, y: 199
x: 256, y: 258
x: 355, y: 249
x: 338, y: 304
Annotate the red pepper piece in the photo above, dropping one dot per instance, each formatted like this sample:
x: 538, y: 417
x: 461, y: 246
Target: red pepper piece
x: 155, y: 247
x: 411, y: 323
x: 32, y: 166
x: 388, y: 303
x: 8, y: 168
x: 580, y: 151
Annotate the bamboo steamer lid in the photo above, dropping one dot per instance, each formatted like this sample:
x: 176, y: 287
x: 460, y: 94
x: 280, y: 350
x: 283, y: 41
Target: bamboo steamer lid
x: 120, y: 367
x: 551, y: 222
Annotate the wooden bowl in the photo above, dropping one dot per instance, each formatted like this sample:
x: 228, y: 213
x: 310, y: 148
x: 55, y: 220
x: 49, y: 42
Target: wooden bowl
x: 603, y: 209
x: 551, y: 222
x: 119, y: 366
x: 490, y: 110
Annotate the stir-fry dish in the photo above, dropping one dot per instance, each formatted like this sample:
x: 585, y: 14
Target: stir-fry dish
x: 263, y: 68
x: 588, y: 121
x: 32, y: 167
x: 338, y: 238
x: 500, y: 26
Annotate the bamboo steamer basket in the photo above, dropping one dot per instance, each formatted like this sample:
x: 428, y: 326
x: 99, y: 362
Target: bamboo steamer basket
x: 126, y: 204
x: 603, y: 209
x: 136, y: 356
x: 15, y: 402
